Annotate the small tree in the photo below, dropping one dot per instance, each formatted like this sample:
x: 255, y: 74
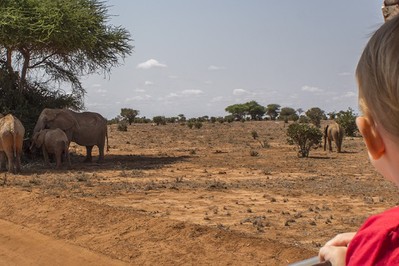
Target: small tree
x: 315, y: 115
x: 347, y: 120
x: 129, y: 114
x: 273, y: 110
x: 159, y: 120
x: 305, y: 136
x: 288, y: 113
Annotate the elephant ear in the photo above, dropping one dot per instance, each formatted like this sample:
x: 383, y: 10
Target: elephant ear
x: 59, y: 118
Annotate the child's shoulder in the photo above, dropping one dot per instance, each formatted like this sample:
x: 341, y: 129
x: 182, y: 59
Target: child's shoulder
x: 377, y: 241
x: 385, y: 221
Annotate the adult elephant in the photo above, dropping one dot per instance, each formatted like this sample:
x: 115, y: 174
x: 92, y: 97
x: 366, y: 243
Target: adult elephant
x: 86, y: 129
x: 333, y: 132
x: 11, y: 138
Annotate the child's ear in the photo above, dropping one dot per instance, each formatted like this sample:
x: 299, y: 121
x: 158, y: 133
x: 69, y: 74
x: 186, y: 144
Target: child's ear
x: 372, y: 138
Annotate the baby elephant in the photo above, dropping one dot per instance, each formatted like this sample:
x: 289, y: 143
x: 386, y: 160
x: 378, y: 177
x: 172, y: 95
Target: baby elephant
x: 52, y: 141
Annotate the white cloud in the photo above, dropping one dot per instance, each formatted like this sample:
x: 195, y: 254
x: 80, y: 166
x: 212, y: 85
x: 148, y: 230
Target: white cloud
x: 215, y: 68
x: 345, y: 74
x: 192, y: 92
x: 240, y: 92
x: 217, y: 99
x: 150, y: 64
x: 138, y: 98
x: 349, y: 94
x: 311, y: 89
x: 148, y: 83
x: 139, y: 90
x: 101, y: 91
x: 172, y: 95
x: 173, y: 77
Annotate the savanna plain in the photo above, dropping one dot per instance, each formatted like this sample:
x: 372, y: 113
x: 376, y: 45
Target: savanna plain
x: 171, y: 195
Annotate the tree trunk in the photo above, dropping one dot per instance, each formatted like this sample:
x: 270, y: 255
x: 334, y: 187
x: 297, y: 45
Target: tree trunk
x: 25, y: 53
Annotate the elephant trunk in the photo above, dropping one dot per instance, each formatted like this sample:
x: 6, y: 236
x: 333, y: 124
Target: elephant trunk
x: 39, y: 125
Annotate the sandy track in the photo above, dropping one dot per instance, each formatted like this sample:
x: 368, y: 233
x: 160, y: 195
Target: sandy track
x: 20, y: 245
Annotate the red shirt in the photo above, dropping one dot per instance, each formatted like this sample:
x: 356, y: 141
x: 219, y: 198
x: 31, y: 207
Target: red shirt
x: 377, y: 241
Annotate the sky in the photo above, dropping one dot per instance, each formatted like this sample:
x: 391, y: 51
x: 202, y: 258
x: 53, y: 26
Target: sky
x: 196, y: 57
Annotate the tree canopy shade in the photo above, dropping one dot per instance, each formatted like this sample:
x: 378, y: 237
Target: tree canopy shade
x: 59, y: 41
x: 252, y: 108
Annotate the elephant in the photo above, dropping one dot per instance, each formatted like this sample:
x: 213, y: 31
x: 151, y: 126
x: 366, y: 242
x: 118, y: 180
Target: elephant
x: 11, y: 140
x: 52, y: 141
x: 333, y: 132
x: 86, y: 128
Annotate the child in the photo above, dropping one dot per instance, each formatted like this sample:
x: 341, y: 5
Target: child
x: 377, y: 240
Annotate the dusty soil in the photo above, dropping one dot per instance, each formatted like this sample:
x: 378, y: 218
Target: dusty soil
x: 170, y: 195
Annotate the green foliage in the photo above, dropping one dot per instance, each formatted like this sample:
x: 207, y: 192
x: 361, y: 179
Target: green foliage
x: 305, y: 136
x: 315, y: 115
x: 273, y: 110
x: 122, y: 126
x: 255, y: 110
x: 228, y: 119
x: 182, y: 118
x: 159, y: 120
x: 288, y: 113
x: 347, y: 120
x: 129, y: 114
x: 198, y: 124
x: 238, y: 111
x: 27, y: 104
x: 252, y: 108
x: 304, y: 119
x: 60, y: 41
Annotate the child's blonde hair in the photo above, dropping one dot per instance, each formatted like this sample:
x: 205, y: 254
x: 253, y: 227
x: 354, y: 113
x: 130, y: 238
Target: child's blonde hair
x: 378, y: 77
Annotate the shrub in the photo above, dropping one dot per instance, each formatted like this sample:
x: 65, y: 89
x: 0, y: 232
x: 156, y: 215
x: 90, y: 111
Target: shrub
x: 122, y: 126
x: 315, y: 115
x: 198, y: 124
x: 305, y: 136
x: 347, y: 120
x: 254, y: 134
x: 190, y: 124
x: 159, y: 120
x: 304, y: 119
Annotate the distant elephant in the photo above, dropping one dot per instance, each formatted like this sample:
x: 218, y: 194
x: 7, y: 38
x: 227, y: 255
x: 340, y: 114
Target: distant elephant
x: 333, y: 132
x: 86, y: 129
x: 11, y: 139
x: 52, y: 141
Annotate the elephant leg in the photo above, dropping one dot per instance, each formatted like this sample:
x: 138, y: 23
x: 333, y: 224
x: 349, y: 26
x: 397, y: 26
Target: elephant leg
x: 18, y: 162
x: 329, y: 144
x: 88, y: 154
x: 3, y: 164
x: 58, y: 160
x: 46, y: 159
x: 101, y: 153
x: 10, y: 157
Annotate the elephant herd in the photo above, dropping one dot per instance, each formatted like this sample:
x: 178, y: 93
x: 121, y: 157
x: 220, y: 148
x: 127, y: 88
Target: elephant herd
x: 53, y: 132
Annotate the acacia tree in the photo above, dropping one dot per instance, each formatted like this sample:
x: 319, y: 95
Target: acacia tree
x: 55, y: 41
x: 255, y: 110
x: 315, y: 115
x: 129, y: 114
x: 288, y: 113
x: 273, y: 110
x: 239, y: 111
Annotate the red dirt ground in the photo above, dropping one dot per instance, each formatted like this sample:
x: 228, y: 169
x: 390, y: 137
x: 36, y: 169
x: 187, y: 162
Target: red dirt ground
x: 170, y: 195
